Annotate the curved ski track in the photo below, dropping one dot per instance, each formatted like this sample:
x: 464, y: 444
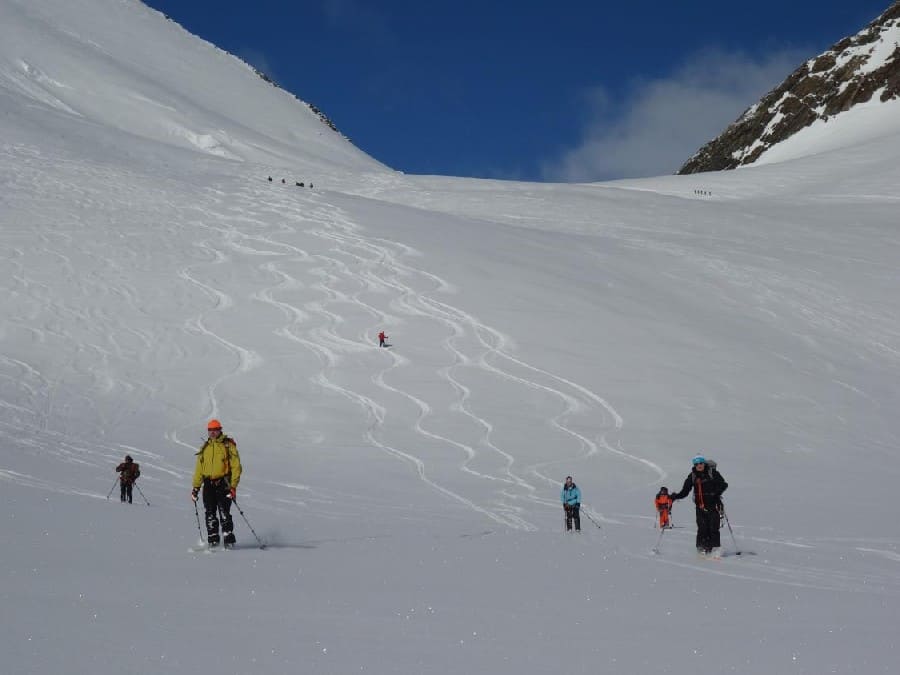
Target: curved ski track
x: 353, y: 284
x: 356, y: 275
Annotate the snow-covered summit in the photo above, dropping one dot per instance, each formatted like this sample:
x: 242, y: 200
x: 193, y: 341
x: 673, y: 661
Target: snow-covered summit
x: 119, y: 66
x: 847, y: 95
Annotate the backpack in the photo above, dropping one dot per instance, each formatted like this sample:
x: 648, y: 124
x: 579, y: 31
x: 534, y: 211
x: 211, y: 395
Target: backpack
x: 130, y: 471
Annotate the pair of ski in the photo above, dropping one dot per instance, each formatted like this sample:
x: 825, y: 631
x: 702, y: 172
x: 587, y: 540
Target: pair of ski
x: 656, y: 550
x: 206, y: 548
x: 710, y: 556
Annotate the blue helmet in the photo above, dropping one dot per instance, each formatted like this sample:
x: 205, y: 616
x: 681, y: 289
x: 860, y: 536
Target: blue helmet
x: 699, y: 459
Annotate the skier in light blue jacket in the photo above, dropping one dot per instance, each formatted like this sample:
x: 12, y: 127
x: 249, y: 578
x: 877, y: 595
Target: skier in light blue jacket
x: 571, y: 500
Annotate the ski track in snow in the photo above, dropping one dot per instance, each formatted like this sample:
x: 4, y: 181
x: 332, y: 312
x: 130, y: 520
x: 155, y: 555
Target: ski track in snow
x: 283, y: 242
x: 781, y: 563
x: 85, y: 343
x: 391, y: 293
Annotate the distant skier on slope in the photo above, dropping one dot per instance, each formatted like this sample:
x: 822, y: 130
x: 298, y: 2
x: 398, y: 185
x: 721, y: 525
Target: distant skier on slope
x: 708, y: 486
x: 571, y: 500
x: 382, y: 339
x: 128, y: 471
x: 218, y: 472
x: 663, y: 504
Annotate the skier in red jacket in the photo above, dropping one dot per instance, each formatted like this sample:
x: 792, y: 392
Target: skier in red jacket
x: 382, y: 338
x: 129, y: 471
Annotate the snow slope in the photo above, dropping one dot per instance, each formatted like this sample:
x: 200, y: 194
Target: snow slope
x: 864, y: 123
x: 409, y: 496
x: 125, y: 67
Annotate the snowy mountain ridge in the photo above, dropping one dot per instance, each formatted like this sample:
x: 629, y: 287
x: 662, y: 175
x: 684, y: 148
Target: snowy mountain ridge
x: 129, y: 68
x: 807, y: 113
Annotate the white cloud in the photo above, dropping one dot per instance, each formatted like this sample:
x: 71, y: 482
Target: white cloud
x: 660, y: 123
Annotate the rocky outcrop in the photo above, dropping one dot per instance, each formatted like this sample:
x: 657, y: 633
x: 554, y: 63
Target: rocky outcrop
x: 853, y: 71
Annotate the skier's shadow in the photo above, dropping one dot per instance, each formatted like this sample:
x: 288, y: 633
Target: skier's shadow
x: 274, y: 545
x: 289, y: 546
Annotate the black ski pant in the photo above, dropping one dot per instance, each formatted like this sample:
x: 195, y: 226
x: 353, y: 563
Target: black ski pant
x: 125, y: 491
x: 573, y: 512
x: 708, y: 528
x: 217, y: 502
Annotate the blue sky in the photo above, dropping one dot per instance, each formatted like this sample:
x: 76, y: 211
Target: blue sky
x: 577, y: 90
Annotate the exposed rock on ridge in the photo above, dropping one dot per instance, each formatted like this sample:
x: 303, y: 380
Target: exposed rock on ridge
x: 849, y: 73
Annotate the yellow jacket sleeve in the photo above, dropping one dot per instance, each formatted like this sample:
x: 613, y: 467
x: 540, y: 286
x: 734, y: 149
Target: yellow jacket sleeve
x: 234, y: 461
x: 197, y: 480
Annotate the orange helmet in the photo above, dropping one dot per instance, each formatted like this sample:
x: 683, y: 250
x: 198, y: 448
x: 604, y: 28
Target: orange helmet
x: 214, y: 424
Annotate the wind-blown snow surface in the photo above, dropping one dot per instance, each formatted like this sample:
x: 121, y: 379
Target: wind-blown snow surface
x: 410, y: 496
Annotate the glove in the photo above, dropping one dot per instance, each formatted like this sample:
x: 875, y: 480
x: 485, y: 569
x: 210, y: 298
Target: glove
x: 232, y: 493
x: 194, y: 494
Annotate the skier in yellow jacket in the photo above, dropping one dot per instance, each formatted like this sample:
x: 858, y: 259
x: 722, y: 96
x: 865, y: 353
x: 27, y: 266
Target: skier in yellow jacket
x: 218, y: 473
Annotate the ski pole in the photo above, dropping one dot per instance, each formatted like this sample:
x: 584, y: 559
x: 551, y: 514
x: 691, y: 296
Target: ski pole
x: 112, y: 488
x: 197, y: 513
x: 262, y: 546
x: 655, y: 549
x: 590, y: 518
x: 737, y: 551
x: 142, y: 492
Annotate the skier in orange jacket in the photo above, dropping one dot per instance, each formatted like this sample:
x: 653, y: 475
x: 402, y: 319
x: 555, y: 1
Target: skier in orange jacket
x: 663, y: 504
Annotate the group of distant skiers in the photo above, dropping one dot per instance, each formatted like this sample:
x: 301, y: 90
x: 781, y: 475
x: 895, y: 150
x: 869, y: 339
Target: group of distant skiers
x: 296, y: 183
x: 704, y: 481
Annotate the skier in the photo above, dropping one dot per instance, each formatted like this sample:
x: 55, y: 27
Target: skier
x: 708, y: 486
x: 218, y: 472
x: 128, y: 471
x: 663, y: 504
x: 571, y: 500
x: 382, y: 339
